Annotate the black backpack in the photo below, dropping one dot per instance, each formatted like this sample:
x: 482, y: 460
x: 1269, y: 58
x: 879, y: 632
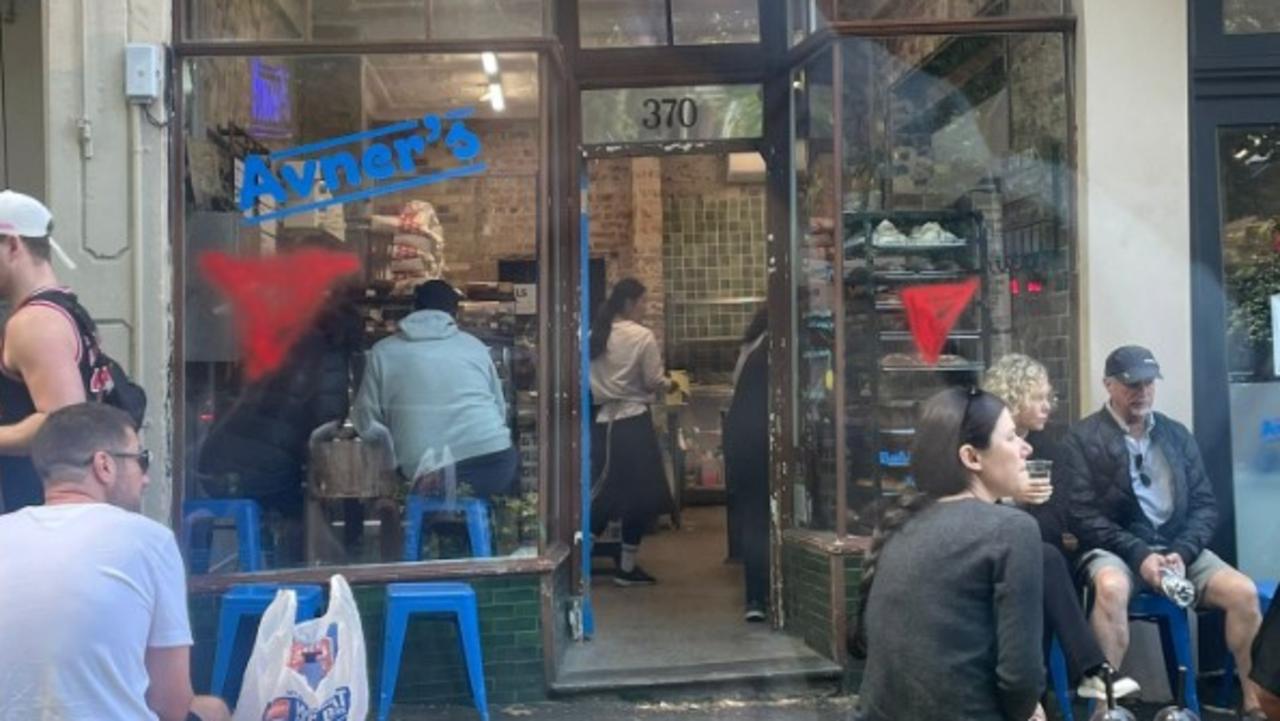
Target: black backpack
x: 104, y: 380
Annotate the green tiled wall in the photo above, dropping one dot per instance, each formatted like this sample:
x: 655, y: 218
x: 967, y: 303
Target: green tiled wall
x: 807, y: 585
x: 432, y: 670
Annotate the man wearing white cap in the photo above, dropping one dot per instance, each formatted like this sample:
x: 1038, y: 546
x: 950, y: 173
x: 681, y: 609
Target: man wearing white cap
x: 42, y: 361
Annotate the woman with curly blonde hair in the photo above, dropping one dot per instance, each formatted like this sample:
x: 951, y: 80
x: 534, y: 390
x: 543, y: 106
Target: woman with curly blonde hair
x: 1023, y: 384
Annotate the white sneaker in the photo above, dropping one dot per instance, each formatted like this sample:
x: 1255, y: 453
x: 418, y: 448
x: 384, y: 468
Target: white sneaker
x: 1094, y: 687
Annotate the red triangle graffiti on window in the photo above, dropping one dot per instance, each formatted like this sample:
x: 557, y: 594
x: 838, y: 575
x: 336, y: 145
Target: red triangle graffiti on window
x: 274, y: 299
x: 932, y: 310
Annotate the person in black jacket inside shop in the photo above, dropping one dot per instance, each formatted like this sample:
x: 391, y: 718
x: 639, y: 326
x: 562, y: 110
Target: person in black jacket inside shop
x: 259, y: 449
x: 1023, y: 384
x: 1140, y: 503
x: 746, y: 455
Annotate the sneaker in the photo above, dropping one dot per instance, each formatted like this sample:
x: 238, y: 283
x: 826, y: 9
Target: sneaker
x: 1094, y: 687
x: 1253, y: 714
x: 635, y: 577
x: 754, y: 614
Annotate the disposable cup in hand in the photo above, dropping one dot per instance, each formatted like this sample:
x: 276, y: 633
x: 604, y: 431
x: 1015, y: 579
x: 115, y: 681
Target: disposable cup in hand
x: 1039, y: 472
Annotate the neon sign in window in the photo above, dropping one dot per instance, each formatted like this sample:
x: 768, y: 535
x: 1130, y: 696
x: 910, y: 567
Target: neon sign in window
x: 271, y: 108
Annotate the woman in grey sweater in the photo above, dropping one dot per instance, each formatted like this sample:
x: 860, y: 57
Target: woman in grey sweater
x: 951, y: 613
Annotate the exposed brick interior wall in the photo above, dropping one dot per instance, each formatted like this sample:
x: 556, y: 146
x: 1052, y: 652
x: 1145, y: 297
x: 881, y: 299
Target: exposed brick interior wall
x: 690, y: 236
x: 486, y: 218
x: 625, y: 206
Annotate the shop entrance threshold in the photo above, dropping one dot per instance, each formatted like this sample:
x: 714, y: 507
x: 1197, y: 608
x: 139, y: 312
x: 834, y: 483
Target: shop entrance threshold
x: 785, y: 674
x: 687, y: 629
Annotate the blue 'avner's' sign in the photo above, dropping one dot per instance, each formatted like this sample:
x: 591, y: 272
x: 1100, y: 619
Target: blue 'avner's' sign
x: 350, y: 178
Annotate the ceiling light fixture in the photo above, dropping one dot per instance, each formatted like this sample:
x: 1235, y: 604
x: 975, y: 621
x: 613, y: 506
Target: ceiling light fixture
x: 496, y: 98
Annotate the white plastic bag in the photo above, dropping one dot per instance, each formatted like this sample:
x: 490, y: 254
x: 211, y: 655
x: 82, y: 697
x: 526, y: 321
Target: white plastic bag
x: 311, y: 671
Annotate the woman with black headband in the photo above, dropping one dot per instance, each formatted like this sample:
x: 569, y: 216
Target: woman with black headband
x: 950, y: 609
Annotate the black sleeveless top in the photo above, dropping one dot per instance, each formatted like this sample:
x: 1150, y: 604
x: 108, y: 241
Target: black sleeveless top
x: 19, y: 481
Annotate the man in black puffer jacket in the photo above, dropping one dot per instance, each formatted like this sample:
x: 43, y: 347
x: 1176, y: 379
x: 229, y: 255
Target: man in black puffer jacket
x: 1140, y: 502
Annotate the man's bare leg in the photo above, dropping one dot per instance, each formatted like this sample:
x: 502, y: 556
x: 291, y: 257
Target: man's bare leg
x: 1110, y: 617
x: 1237, y: 596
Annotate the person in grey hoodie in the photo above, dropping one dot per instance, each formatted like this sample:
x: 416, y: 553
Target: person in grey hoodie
x: 435, y: 389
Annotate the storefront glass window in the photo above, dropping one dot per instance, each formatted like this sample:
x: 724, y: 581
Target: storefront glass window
x: 343, y: 20
x: 1249, y: 181
x: 952, y: 195
x: 706, y: 22
x: 809, y: 16
x: 321, y: 194
x: 813, y: 203
x: 1247, y: 17
x: 622, y: 23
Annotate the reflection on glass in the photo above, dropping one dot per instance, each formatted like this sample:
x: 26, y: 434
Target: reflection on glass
x: 814, y: 231
x: 951, y: 172
x: 701, y: 112
x: 1246, y: 17
x: 426, y: 192
x: 706, y: 22
x: 622, y: 23
x: 1249, y: 182
x: 356, y: 21
x: 928, y: 10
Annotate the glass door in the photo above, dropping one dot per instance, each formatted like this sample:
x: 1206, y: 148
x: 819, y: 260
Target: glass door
x: 1239, y: 222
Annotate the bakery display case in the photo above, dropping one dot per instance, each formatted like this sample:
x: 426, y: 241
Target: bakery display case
x: 885, y: 252
x: 922, y: 163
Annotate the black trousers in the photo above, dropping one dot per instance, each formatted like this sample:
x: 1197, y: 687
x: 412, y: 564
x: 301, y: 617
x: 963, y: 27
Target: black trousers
x: 753, y: 499
x: 1064, y: 617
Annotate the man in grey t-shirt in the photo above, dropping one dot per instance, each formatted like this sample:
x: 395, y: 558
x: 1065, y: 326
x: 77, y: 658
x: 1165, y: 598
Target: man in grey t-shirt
x: 1141, y: 504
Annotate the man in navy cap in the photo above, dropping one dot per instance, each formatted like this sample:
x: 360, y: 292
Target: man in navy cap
x: 1141, y: 504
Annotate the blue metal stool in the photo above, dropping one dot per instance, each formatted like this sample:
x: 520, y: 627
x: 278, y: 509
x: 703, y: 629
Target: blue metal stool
x: 245, y: 602
x: 406, y: 599
x: 1061, y: 681
x: 474, y: 510
x: 1266, y: 594
x: 1175, y: 638
x: 248, y: 518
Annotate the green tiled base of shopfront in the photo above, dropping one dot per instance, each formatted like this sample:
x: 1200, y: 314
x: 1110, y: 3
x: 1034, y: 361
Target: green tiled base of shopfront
x: 852, y: 577
x: 432, y: 671
x: 807, y: 587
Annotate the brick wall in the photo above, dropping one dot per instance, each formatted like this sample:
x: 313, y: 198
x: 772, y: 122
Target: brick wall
x: 432, y: 670
x: 486, y: 218
x: 625, y: 206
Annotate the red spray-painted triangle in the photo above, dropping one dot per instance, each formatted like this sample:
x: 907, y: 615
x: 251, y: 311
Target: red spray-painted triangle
x: 274, y: 299
x: 932, y: 310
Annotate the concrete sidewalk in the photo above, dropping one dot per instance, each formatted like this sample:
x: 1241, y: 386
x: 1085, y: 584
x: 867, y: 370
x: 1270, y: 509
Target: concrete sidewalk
x: 800, y: 708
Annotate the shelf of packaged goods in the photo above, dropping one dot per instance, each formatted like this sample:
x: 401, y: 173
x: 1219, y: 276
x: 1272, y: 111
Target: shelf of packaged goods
x: 897, y: 431
x: 958, y: 368
x: 856, y: 248
x: 896, y: 276
x: 947, y: 215
x: 896, y: 403
x: 902, y: 335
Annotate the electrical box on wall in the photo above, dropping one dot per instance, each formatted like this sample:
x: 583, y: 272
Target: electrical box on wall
x: 143, y: 67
